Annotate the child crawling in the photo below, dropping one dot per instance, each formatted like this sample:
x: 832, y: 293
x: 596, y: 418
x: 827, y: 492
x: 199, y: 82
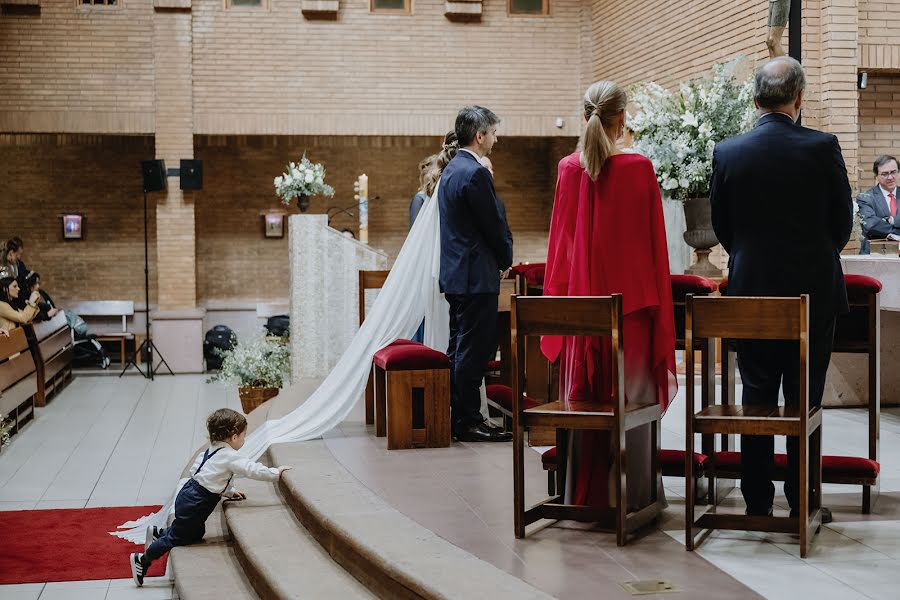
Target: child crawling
x: 210, y: 480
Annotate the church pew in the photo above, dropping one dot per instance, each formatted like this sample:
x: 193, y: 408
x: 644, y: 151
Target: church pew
x: 52, y: 348
x: 18, y: 379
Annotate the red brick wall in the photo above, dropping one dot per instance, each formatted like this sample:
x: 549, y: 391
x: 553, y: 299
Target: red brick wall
x: 45, y: 176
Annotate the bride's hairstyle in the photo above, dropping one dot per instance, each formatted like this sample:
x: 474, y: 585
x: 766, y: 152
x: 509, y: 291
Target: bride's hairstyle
x: 435, y: 164
x: 603, y: 101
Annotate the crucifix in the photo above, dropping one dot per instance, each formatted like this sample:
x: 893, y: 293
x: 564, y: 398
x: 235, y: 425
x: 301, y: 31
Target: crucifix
x: 782, y: 13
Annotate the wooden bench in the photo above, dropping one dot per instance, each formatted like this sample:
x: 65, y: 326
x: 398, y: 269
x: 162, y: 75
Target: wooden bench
x: 18, y: 379
x: 109, y: 308
x: 52, y: 349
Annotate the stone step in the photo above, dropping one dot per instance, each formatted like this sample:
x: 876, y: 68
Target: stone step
x: 210, y: 570
x: 280, y: 558
x: 391, y: 554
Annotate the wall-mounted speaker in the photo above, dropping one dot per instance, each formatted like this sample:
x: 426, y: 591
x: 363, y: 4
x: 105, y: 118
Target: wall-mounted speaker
x: 191, y: 174
x: 154, y: 175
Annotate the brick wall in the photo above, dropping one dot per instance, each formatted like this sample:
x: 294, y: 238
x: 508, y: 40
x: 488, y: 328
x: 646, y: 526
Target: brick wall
x: 45, y: 176
x: 235, y: 262
x: 879, y: 22
x: 879, y: 123
x: 78, y: 69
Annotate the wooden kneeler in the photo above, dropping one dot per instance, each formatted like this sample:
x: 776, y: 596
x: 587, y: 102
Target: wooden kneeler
x: 579, y: 316
x: 762, y: 319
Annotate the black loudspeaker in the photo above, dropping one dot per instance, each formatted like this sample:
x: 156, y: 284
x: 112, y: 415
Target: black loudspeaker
x: 191, y: 174
x: 154, y: 175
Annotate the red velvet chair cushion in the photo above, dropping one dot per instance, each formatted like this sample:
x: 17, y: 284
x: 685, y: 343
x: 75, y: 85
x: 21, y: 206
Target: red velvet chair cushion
x: 683, y: 285
x: 862, y: 283
x: 834, y: 466
x: 502, y: 395
x: 676, y: 457
x: 534, y: 273
x: 493, y: 365
x: 723, y: 287
x: 548, y: 458
x: 410, y: 357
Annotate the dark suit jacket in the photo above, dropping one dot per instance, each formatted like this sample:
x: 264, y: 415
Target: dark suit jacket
x: 781, y: 206
x: 475, y: 240
x: 872, y: 210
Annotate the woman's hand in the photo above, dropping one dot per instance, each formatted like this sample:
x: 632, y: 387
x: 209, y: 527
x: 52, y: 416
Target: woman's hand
x: 34, y: 298
x: 52, y: 312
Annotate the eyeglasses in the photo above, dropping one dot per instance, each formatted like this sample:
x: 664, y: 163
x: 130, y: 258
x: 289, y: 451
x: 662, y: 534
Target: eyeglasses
x: 887, y: 174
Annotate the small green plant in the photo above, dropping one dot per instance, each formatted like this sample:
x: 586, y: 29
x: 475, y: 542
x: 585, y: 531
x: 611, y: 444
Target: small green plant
x: 5, y: 427
x: 259, y: 362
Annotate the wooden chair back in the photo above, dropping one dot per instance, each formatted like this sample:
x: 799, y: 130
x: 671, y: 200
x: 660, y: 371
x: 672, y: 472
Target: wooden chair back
x: 532, y: 316
x: 369, y: 280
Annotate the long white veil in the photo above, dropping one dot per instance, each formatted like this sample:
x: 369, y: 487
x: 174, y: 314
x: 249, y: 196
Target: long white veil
x: 410, y: 294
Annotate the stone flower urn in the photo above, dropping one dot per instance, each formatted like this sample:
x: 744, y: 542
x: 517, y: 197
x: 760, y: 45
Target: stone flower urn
x: 700, y: 236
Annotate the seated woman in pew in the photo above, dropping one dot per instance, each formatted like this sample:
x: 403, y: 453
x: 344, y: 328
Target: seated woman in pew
x: 30, y: 283
x: 607, y: 236
x: 10, y: 316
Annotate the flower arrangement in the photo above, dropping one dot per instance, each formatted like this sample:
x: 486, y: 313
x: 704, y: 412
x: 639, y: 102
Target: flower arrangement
x: 302, y: 179
x: 678, y: 132
x: 259, y: 362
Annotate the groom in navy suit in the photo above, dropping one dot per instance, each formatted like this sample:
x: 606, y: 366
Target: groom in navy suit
x: 475, y: 251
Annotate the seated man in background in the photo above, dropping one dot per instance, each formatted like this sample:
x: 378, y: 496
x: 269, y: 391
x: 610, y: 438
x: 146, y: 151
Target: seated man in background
x: 878, y: 206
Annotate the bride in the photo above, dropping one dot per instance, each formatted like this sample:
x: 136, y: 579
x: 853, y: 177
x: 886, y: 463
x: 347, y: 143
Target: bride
x: 410, y: 293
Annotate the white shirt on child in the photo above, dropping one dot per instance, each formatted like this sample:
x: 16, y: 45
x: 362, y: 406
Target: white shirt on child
x: 223, y: 465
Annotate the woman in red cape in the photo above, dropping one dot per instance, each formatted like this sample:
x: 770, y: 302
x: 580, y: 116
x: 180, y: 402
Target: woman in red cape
x: 607, y: 236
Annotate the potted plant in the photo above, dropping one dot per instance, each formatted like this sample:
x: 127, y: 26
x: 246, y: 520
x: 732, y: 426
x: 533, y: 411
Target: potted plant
x: 257, y: 367
x: 302, y: 180
x: 678, y: 132
x: 5, y: 427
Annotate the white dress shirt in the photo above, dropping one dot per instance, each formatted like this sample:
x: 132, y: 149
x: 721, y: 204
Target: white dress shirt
x: 217, y: 472
x: 478, y: 158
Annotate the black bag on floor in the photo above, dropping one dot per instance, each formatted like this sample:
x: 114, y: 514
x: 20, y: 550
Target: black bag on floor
x: 220, y: 338
x: 89, y: 353
x: 279, y: 325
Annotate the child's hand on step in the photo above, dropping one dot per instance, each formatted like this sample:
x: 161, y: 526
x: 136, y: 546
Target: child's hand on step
x: 281, y: 470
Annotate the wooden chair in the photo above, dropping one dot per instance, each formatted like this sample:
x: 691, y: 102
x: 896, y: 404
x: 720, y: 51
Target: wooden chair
x: 52, y: 347
x: 856, y: 332
x: 18, y: 379
x: 581, y: 316
x: 762, y: 319
x: 369, y: 280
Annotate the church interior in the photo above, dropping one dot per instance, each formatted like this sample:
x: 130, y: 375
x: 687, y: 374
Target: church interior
x: 139, y: 141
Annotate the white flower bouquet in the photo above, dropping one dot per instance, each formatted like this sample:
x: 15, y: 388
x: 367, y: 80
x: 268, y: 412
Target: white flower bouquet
x: 5, y: 427
x: 302, y: 179
x: 258, y: 362
x: 678, y: 132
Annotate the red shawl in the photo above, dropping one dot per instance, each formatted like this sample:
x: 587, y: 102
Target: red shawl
x: 608, y: 236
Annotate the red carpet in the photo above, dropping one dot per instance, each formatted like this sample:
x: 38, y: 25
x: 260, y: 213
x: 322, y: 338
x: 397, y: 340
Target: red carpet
x: 68, y: 545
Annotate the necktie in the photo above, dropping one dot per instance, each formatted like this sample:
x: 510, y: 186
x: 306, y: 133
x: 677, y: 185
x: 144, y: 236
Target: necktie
x: 893, y: 199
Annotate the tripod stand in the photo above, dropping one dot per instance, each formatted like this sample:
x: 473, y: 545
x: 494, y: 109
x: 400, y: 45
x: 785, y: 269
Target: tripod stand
x: 147, y: 345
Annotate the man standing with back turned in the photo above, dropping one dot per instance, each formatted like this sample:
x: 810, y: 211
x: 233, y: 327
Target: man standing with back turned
x: 781, y: 207
x: 475, y: 251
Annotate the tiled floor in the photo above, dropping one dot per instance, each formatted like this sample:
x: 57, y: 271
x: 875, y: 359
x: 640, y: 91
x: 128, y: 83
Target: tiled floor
x: 107, y: 441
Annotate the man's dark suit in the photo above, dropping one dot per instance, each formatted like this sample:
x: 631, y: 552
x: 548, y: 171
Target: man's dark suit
x: 781, y: 207
x: 872, y: 211
x: 475, y: 248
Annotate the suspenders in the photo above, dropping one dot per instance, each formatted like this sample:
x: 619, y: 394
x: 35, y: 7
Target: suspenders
x: 206, y: 456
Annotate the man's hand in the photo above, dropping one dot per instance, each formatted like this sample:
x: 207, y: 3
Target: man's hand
x: 504, y: 274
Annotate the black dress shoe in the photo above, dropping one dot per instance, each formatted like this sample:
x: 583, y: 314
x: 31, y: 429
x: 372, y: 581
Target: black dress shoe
x: 767, y: 512
x: 481, y: 432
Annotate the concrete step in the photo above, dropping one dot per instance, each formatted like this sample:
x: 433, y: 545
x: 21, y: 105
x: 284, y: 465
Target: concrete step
x: 280, y: 558
x: 391, y: 554
x: 210, y: 570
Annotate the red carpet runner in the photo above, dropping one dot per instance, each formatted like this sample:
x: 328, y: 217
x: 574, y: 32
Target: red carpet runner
x: 68, y: 545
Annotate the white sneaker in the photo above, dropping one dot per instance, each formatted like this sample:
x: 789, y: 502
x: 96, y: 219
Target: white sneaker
x: 153, y: 534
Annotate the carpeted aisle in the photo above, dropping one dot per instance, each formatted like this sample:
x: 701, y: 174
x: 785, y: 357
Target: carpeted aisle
x: 39, y: 546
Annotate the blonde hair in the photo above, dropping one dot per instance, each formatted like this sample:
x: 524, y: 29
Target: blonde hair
x: 603, y: 101
x: 433, y: 166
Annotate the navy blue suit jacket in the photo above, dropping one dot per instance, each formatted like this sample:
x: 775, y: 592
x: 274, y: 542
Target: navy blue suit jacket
x: 475, y: 240
x: 781, y: 206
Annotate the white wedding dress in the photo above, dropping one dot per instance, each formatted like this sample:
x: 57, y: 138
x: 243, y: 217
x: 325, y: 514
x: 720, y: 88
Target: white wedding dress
x: 410, y: 294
